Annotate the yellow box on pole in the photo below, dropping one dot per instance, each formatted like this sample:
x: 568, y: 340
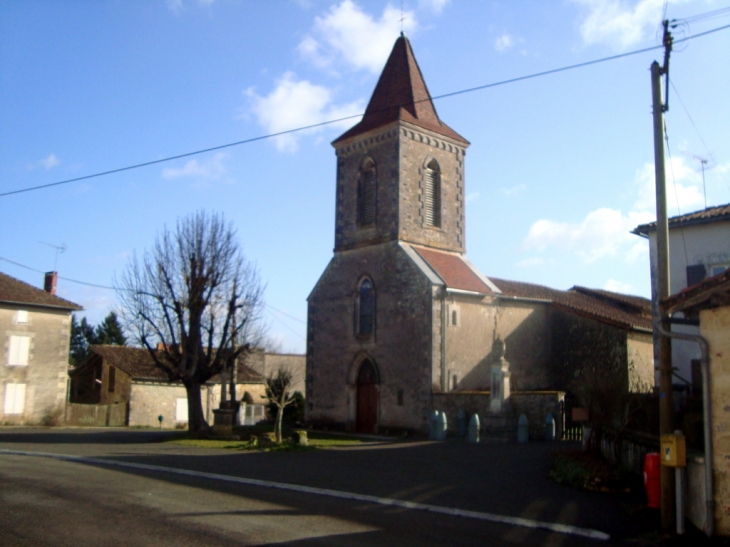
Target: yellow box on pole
x: 673, y: 450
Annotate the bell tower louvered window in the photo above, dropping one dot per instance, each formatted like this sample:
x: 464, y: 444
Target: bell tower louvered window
x: 432, y: 195
x: 367, y: 194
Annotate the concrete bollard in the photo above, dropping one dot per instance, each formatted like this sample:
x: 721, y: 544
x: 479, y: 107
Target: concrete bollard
x: 461, y: 422
x: 441, y: 427
x: 474, y: 428
x: 550, y: 427
x: 433, y: 426
x: 523, y: 433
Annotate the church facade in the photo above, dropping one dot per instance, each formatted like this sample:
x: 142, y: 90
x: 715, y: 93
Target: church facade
x: 400, y: 314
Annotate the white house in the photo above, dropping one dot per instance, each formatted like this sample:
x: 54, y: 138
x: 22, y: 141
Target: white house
x: 699, y: 248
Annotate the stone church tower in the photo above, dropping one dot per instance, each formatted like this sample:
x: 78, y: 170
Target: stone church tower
x: 378, y: 316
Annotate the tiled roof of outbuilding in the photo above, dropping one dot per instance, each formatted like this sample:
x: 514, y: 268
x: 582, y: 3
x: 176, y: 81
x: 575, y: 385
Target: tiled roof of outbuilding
x: 401, y: 94
x: 712, y: 292
x: 453, y: 271
x: 711, y: 214
x: 609, y: 307
x: 138, y: 363
x: 18, y: 292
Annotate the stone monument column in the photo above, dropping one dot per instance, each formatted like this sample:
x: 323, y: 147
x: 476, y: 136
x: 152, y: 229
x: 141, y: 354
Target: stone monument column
x: 499, y: 376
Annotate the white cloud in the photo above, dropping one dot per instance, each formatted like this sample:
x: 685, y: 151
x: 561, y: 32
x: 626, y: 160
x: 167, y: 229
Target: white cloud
x: 473, y: 196
x: 620, y: 23
x: 503, y: 43
x: 531, y: 262
x: 513, y: 190
x: 434, y: 5
x: 605, y: 232
x: 174, y: 5
x: 347, y: 34
x: 619, y: 286
x: 298, y: 103
x: 209, y: 169
x: 49, y: 162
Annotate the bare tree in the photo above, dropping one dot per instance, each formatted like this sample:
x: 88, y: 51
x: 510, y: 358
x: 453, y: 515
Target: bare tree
x: 278, y: 393
x: 190, y: 301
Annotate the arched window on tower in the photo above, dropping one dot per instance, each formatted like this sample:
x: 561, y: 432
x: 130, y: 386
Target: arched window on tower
x: 432, y: 195
x: 366, y: 194
x: 366, y: 308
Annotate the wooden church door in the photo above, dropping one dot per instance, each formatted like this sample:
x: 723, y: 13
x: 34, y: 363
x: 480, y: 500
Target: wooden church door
x: 367, y: 398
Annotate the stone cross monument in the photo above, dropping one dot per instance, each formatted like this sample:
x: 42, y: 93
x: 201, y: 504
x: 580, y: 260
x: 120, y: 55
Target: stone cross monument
x: 499, y: 376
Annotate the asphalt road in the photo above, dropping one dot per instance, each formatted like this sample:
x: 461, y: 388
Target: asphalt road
x: 47, y: 501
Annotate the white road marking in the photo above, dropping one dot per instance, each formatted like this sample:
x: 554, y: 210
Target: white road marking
x: 491, y: 517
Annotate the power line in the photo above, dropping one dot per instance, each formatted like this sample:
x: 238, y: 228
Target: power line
x: 321, y: 124
x: 106, y: 287
x: 686, y: 111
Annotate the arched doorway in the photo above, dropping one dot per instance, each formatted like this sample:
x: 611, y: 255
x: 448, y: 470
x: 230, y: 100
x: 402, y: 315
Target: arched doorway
x: 367, y: 398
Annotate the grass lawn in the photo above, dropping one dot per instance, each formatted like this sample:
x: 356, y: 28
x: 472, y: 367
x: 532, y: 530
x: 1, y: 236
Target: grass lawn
x: 315, y: 439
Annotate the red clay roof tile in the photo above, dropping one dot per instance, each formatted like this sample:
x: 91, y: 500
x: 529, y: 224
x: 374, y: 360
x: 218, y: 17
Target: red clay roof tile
x: 618, y: 309
x: 454, y: 271
x: 401, y: 94
x: 16, y: 291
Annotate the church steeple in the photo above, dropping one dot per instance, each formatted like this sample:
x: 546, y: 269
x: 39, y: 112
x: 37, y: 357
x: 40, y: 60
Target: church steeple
x: 400, y: 170
x: 401, y: 95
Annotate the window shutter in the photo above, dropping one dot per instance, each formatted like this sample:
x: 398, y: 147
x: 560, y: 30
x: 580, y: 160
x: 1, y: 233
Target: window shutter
x: 695, y: 274
x: 367, y: 197
x: 181, y: 410
x: 14, y: 398
x: 22, y: 316
x: 431, y: 197
x: 19, y: 350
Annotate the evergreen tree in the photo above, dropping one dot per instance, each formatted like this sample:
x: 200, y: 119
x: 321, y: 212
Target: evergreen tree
x: 110, y: 331
x: 82, y: 336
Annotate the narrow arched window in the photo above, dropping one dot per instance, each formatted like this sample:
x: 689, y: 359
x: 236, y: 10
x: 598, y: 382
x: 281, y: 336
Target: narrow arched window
x: 366, y: 194
x: 432, y: 194
x: 366, y: 308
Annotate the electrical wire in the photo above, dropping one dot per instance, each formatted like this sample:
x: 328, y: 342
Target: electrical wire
x: 106, y: 287
x: 322, y: 124
x: 676, y: 194
x: 686, y: 111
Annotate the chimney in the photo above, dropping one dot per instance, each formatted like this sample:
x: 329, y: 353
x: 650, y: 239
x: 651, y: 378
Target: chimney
x: 50, y: 282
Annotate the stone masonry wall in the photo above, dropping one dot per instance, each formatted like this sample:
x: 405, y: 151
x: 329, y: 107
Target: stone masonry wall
x: 400, y: 153
x: 522, y: 326
x: 417, y: 147
x: 46, y: 373
x: 400, y: 347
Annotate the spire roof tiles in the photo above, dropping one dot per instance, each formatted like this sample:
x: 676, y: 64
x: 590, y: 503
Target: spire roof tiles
x: 401, y: 95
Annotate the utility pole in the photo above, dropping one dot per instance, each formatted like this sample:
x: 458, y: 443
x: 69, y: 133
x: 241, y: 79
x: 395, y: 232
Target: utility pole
x: 666, y: 402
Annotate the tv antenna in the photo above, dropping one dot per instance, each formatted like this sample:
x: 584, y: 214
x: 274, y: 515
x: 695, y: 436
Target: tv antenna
x: 60, y: 249
x: 703, y: 163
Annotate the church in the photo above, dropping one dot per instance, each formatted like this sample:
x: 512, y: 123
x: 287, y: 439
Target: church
x: 400, y: 318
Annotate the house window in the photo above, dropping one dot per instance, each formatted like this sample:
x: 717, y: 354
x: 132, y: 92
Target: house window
x: 400, y: 397
x: 454, y: 317
x: 14, y: 398
x: 21, y: 317
x: 19, y: 350
x: 367, y: 190
x: 112, y: 378
x: 432, y: 195
x: 366, y: 308
x: 717, y: 269
x: 181, y: 409
x: 454, y: 382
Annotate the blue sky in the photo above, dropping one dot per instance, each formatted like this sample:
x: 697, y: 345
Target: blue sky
x: 558, y: 172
